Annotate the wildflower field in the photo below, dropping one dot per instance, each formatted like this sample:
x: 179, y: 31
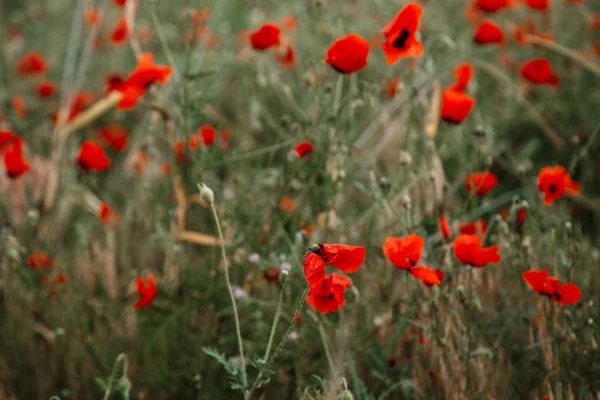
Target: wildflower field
x: 311, y: 199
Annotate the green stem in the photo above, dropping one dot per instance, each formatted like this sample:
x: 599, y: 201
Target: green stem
x: 275, y: 322
x: 267, y: 363
x: 338, y: 94
x: 230, y: 289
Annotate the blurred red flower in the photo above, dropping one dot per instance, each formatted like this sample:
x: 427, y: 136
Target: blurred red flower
x: 107, y: 215
x: 477, y: 227
x: 39, y: 260
x: 119, y: 33
x: 555, y: 182
x: 348, y: 54
x: 444, y: 228
x: 14, y: 159
x: 209, y: 134
x: 468, y: 250
x: 539, y: 72
x: 32, y: 63
x: 287, y: 57
x: 46, y: 89
x: 400, y: 35
x: 463, y: 73
x: 267, y: 36
x: 488, y: 32
x: 541, y: 283
x: 92, y: 158
x: 404, y: 252
x: 147, y: 291
x: 539, y: 5
x: 480, y: 183
x: 115, y: 136
x: 456, y: 106
x: 491, y: 6
x: 428, y: 276
x: 303, y: 149
x: 145, y: 74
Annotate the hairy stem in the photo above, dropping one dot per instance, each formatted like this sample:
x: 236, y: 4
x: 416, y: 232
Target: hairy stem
x: 230, y: 289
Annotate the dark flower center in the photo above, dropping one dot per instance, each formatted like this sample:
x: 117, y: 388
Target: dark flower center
x: 552, y: 189
x: 401, y: 40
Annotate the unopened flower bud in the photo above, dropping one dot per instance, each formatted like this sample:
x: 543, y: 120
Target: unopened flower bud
x: 206, y: 194
x: 405, y: 201
x: 405, y: 158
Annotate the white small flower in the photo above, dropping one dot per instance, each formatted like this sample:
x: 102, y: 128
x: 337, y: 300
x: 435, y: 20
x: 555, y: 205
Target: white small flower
x: 285, y: 267
x: 293, y: 335
x: 239, y: 293
x: 254, y: 258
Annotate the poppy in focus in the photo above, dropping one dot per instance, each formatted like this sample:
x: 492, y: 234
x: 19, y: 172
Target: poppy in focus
x: 328, y: 295
x: 543, y: 284
x: 539, y: 72
x: 14, y: 159
x: 400, y: 35
x: 303, y: 149
x: 146, y: 290
x: 115, y: 136
x: 145, y: 74
x: 456, y: 106
x: 267, y: 36
x: 343, y: 257
x: 404, y: 252
x: 348, y: 54
x: 480, y: 183
x: 555, y: 182
x: 92, y: 158
x: 468, y: 250
x: 488, y: 32
x: 32, y: 63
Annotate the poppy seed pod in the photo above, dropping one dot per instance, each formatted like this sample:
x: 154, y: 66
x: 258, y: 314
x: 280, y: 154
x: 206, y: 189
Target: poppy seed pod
x: 206, y: 194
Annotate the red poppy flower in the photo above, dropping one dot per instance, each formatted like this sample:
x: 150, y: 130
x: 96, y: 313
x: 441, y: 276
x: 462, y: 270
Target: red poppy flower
x: 555, y: 182
x: 539, y: 5
x: 456, y: 106
x: 147, y: 291
x: 348, y: 54
x: 272, y: 275
x: 328, y: 295
x: 491, y: 6
x: 194, y: 142
x: 6, y: 137
x: 477, y: 227
x: 488, y: 32
x: 468, y: 250
x: 428, y: 276
x: 209, y: 134
x: 32, y: 63
x: 39, y: 260
x: 480, y: 183
x: 113, y: 82
x: 539, y: 72
x: 119, y: 33
x: 46, y: 89
x: 115, y: 136
x: 343, y: 257
x: 80, y: 102
x: 287, y: 204
x: 18, y: 105
x: 120, y: 3
x: 92, y: 158
x: 542, y: 284
x: 400, y: 35
x: 107, y: 215
x: 14, y: 159
x: 444, y: 228
x: 287, y: 58
x: 463, y: 74
x: 268, y: 35
x: 404, y: 252
x: 145, y: 74
x: 303, y: 149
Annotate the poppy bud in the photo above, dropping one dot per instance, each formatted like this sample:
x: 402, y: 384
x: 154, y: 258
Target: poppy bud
x: 405, y: 201
x: 479, y: 132
x: 310, y: 80
x: 283, y: 275
x: 206, y: 194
